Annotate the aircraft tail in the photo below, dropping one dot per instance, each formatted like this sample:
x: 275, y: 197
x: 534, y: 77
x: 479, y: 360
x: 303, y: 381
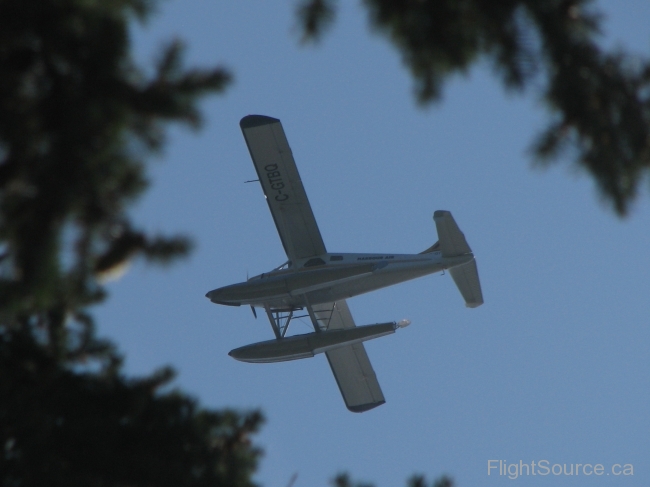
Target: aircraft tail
x: 466, y: 278
x: 452, y: 243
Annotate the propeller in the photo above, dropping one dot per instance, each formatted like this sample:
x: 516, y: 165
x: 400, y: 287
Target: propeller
x: 254, y: 312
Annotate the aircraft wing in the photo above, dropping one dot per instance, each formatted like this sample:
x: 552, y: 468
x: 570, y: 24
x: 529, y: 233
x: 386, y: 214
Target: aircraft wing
x: 282, y: 186
x: 350, y: 364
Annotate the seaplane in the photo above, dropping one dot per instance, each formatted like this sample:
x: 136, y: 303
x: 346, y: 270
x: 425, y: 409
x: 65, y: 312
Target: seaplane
x: 314, y: 283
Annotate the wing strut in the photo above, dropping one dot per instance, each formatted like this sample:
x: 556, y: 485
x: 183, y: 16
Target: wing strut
x: 279, y: 321
x: 312, y: 316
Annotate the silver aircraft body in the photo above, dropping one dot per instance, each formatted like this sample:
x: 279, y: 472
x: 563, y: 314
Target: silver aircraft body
x: 317, y: 283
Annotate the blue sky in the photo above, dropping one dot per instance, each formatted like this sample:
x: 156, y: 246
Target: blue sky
x: 553, y: 367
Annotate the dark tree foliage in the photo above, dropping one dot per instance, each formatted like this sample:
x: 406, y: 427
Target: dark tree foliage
x: 78, y: 121
x: 599, y: 101
x: 67, y: 428
x: 313, y: 17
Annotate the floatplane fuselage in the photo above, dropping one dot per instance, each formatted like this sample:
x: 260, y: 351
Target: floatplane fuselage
x: 332, y: 277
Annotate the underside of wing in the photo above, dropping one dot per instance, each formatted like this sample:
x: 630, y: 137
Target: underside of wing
x: 350, y: 364
x: 355, y: 377
x: 282, y: 187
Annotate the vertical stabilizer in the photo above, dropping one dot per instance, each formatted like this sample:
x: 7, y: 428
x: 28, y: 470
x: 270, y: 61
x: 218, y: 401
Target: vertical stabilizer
x: 453, y: 244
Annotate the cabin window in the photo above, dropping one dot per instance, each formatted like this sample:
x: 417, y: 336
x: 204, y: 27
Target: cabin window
x: 314, y: 262
x: 336, y: 257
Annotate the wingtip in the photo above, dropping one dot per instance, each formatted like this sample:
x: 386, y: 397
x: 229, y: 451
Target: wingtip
x: 365, y: 407
x: 256, y: 120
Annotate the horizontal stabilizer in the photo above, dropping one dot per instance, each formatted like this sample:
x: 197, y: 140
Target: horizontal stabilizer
x: 452, y: 244
x: 452, y: 241
x: 466, y: 278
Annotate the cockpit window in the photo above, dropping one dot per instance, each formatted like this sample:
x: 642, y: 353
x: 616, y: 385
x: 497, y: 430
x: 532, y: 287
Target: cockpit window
x: 314, y: 262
